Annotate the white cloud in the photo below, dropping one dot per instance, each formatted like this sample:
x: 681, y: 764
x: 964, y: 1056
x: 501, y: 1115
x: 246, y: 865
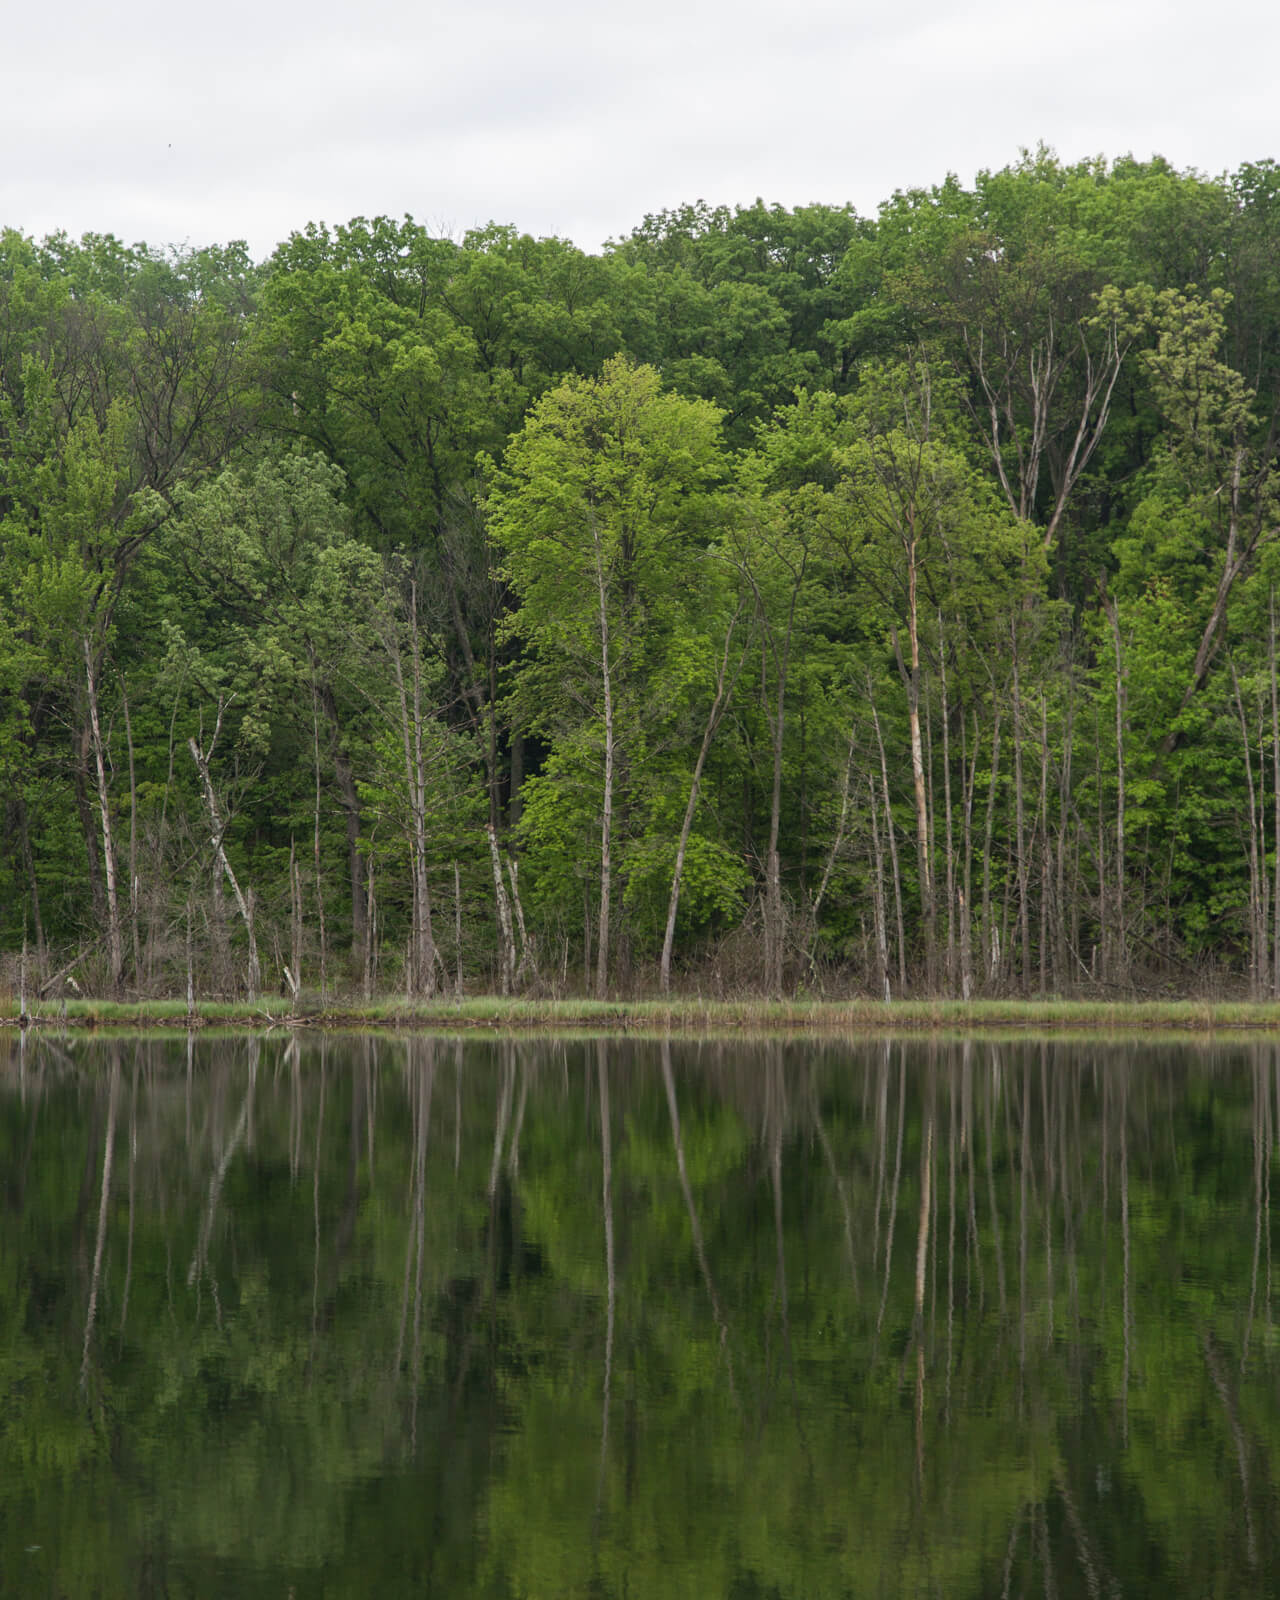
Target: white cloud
x: 252, y: 120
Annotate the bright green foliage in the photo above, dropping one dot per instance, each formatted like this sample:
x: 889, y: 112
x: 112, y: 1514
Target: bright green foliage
x: 266, y: 550
x: 850, y: 472
x: 606, y: 513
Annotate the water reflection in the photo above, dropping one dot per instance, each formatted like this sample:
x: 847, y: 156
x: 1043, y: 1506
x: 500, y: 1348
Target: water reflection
x: 355, y: 1316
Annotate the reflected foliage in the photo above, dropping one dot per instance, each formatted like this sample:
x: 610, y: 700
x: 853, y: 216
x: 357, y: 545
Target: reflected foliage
x: 352, y: 1316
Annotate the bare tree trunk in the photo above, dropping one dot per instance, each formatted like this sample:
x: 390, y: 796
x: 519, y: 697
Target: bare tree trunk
x: 1121, y: 934
x: 115, y: 942
x: 586, y: 938
x: 371, y: 933
x: 1003, y: 942
x: 315, y: 730
x: 344, y: 778
x: 294, y: 971
x: 1024, y: 924
x: 217, y: 829
x: 724, y: 689
x: 877, y: 889
x: 1234, y: 563
x: 775, y: 918
x: 928, y: 897
x: 987, y: 925
x: 133, y: 840
x: 1103, y: 892
x: 1066, y: 939
x: 457, y: 932
x: 837, y: 842
x: 424, y: 944
x: 1046, y: 882
x: 528, y: 962
x: 1257, y: 945
x: 893, y: 846
x: 910, y: 673
x: 1264, y: 885
x: 421, y: 967
x: 1275, y: 792
x: 1036, y: 388
x: 191, y: 978
x: 946, y: 803
x: 773, y: 913
x: 606, y: 818
x: 506, y: 952
x: 90, y: 827
x: 969, y: 771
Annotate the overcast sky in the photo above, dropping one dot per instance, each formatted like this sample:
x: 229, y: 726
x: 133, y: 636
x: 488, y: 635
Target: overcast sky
x: 179, y: 124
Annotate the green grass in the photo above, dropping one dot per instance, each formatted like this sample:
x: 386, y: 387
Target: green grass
x: 681, y: 1014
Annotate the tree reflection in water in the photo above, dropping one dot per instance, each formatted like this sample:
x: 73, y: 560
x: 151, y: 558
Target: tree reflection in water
x: 627, y: 1317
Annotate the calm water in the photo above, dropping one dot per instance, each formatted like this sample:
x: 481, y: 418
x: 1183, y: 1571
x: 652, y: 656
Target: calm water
x: 366, y: 1317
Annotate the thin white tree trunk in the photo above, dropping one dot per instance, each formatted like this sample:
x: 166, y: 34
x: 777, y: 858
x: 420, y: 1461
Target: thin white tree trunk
x: 928, y: 903
x: 1121, y: 934
x: 837, y: 841
x: 421, y: 966
x: 293, y: 973
x: 969, y: 772
x: 426, y: 944
x: 989, y: 944
x: 1275, y: 791
x: 724, y: 689
x: 878, y: 904
x: 1023, y: 871
x: 893, y: 846
x: 315, y: 730
x: 457, y: 931
x: 1066, y: 923
x: 507, y: 953
x: 115, y: 942
x: 606, y: 819
x: 217, y: 828
x: 946, y: 802
x: 1257, y: 945
x: 135, y: 936
x: 527, y: 954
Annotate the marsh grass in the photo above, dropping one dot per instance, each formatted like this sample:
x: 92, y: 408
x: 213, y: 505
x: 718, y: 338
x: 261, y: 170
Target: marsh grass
x: 679, y: 1015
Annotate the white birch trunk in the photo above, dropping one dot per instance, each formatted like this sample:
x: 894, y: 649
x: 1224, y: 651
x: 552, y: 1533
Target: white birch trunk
x: 606, y: 819
x: 115, y: 942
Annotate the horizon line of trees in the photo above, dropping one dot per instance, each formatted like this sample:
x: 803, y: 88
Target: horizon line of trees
x: 778, y: 598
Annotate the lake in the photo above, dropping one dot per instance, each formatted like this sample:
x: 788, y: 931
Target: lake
x: 381, y: 1316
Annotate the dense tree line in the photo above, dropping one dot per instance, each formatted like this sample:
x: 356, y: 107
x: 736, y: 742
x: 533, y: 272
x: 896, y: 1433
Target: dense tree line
x: 778, y: 598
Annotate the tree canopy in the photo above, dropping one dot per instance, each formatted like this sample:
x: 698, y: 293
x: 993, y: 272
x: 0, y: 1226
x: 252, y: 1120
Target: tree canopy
x: 893, y: 597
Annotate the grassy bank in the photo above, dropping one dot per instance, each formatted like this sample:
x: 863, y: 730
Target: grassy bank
x: 678, y: 1015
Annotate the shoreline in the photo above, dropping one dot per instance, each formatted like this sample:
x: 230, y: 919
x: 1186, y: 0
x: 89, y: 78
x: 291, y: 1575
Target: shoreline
x: 692, y: 1016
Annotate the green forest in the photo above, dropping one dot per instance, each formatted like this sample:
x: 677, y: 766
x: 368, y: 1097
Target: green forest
x: 778, y: 600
